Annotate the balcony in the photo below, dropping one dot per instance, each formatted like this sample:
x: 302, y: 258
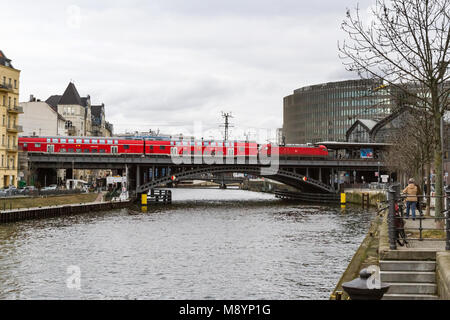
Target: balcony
x: 14, y: 129
x: 16, y: 109
x: 6, y: 87
x: 12, y: 148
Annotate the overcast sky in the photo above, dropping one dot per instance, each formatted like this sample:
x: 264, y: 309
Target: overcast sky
x: 168, y: 63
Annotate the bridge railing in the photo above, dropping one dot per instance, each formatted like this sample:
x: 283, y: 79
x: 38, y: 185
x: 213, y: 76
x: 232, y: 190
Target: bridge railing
x: 429, y: 228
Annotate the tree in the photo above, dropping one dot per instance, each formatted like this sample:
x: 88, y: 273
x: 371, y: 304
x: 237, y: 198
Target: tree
x: 413, y: 145
x: 406, y: 45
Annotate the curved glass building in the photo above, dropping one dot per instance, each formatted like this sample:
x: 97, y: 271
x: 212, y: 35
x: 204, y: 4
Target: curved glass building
x: 324, y: 112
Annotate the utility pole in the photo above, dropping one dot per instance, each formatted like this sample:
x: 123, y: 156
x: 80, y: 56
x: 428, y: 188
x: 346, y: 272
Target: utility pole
x: 226, y: 125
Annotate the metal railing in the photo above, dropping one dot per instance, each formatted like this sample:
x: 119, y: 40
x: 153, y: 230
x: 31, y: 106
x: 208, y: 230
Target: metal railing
x: 396, y: 219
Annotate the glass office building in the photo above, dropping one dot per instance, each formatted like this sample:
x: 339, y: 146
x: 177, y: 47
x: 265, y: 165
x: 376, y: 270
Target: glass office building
x: 324, y: 112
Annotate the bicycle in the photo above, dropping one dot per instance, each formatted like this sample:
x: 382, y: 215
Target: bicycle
x: 399, y: 224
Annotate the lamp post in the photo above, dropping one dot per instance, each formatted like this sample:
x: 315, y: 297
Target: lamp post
x: 378, y: 172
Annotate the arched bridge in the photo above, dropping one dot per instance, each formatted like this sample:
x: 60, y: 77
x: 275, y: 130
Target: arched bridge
x: 288, y: 177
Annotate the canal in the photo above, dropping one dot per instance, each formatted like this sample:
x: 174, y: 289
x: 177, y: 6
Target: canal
x: 209, y: 244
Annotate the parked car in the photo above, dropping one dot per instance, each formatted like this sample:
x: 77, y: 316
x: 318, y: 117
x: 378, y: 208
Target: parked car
x: 51, y: 187
x: 27, y: 189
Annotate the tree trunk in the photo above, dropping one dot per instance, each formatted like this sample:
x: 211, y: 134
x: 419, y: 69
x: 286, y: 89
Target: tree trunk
x: 428, y: 173
x: 438, y: 165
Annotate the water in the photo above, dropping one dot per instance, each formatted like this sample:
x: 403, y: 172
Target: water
x: 225, y: 244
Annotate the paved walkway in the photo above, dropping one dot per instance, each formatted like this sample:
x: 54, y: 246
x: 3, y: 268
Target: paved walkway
x: 428, y: 223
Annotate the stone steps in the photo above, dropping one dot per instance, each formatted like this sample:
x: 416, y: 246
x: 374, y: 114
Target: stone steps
x: 412, y: 288
x: 409, y: 279
x: 408, y: 265
x: 410, y: 297
x: 408, y: 276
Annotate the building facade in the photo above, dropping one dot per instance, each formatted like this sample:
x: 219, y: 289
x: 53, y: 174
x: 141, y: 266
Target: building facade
x: 10, y: 110
x: 324, y: 112
x: 40, y: 119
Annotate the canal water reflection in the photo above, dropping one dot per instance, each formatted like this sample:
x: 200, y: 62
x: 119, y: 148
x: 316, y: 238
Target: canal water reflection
x: 209, y: 244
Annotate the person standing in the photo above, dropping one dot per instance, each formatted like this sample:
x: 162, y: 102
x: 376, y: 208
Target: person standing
x: 419, y: 199
x: 411, y: 191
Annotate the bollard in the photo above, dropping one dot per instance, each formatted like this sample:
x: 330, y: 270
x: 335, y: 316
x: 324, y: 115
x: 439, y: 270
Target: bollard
x: 144, y: 199
x: 343, y: 198
x: 358, y: 289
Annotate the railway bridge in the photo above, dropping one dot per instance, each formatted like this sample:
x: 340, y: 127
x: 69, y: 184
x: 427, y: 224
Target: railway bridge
x: 147, y: 172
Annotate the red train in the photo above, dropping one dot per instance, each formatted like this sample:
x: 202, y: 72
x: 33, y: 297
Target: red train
x: 114, y: 145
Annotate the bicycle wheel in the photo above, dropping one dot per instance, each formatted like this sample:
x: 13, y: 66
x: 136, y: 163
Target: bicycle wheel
x: 401, y: 237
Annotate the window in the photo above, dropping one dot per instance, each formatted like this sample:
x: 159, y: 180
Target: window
x: 94, y: 150
x: 94, y: 141
x: 37, y: 145
x: 162, y: 147
x: 79, y: 141
x: 102, y: 141
x: 62, y: 150
x: 55, y: 140
x: 70, y: 150
x: 126, y: 147
x: 15, y: 84
x: 78, y: 150
x: 116, y: 141
x: 102, y: 150
x: 86, y: 150
x: 63, y: 140
x: 71, y: 140
x: 109, y: 141
x: 86, y: 140
x: 25, y: 145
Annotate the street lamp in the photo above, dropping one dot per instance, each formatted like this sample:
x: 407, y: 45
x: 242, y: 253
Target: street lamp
x: 378, y: 172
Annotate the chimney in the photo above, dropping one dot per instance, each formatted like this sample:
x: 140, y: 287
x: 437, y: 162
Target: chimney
x: 32, y: 98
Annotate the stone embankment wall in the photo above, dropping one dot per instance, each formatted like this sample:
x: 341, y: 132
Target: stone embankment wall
x: 443, y: 274
x: 354, y: 196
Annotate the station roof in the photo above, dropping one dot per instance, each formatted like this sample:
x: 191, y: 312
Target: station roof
x: 355, y: 145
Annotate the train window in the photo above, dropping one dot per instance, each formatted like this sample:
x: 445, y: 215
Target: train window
x: 109, y: 141
x: 102, y: 150
x: 63, y: 140
x: 241, y: 148
x: 102, y: 141
x: 55, y: 140
x: 79, y: 141
x: 116, y: 141
x: 37, y: 145
x: 86, y: 140
x: 62, y: 150
x: 94, y: 141
x: 70, y: 150
x: 126, y: 147
x: 86, y: 150
x: 94, y: 150
x: 78, y: 150
x: 49, y: 140
x: 151, y: 147
x: 25, y: 145
x: 71, y: 140
x: 162, y: 147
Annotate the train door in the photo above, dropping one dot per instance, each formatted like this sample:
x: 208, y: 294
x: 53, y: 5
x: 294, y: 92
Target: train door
x: 50, y: 148
x: 114, y: 149
x: 174, y: 151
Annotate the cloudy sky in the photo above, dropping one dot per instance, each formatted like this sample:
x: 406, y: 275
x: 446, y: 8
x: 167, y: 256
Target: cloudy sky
x: 167, y: 64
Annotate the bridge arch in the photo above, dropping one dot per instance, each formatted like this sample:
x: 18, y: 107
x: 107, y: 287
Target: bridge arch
x: 281, y: 175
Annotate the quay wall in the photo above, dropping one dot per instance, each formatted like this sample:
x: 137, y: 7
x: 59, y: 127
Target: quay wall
x: 354, y: 196
x: 443, y: 275
x: 15, y: 215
